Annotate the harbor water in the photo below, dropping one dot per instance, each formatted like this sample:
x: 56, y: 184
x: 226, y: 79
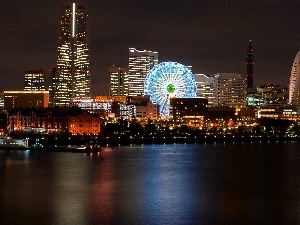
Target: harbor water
x: 253, y: 183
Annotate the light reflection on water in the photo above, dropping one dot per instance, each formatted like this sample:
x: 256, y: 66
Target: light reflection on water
x: 153, y: 184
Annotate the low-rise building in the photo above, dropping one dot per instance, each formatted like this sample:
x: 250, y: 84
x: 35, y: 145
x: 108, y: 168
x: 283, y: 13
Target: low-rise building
x: 278, y: 112
x: 189, y: 111
x: 84, y: 124
x: 18, y: 99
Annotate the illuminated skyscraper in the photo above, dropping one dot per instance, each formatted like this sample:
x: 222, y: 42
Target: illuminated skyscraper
x: 72, y: 78
x: 34, y: 80
x: 205, y: 84
x: 229, y: 89
x: 250, y: 64
x: 294, y: 90
x: 140, y: 63
x: 118, y: 81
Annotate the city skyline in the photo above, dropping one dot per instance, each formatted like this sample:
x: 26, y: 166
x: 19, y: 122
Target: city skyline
x: 210, y: 37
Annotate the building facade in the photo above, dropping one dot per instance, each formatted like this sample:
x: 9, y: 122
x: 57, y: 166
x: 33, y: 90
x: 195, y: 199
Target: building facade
x: 84, y: 124
x: 205, y: 87
x: 17, y: 99
x: 229, y: 90
x: 278, y: 111
x: 294, y: 87
x: 140, y: 63
x: 118, y: 84
x: 72, y: 76
x: 189, y: 111
x: 34, y: 80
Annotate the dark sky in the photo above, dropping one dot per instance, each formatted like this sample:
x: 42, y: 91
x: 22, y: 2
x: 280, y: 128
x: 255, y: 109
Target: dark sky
x: 211, y: 36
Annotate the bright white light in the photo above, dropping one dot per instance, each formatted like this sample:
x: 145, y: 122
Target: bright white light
x: 73, y: 20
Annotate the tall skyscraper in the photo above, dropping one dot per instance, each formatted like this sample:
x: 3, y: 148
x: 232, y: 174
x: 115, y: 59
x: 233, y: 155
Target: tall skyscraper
x: 294, y: 89
x: 250, y: 64
x: 72, y: 78
x: 34, y: 80
x: 118, y: 81
x: 140, y: 63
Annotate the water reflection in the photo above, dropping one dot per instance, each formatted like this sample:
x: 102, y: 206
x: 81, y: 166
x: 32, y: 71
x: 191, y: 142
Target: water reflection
x: 153, y: 184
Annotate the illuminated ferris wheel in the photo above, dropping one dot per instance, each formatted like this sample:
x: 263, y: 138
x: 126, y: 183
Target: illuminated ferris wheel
x: 169, y: 80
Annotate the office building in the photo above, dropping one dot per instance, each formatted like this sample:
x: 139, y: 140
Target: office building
x: 34, y: 80
x: 294, y: 89
x: 140, y: 63
x: 118, y: 81
x: 19, y: 99
x: 229, y: 90
x: 72, y: 76
x: 205, y: 87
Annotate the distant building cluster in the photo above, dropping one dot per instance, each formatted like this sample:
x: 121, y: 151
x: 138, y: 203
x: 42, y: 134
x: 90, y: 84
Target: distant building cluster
x: 131, y: 95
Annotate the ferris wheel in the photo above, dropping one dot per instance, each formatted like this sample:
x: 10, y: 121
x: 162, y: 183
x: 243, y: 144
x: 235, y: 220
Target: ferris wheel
x: 169, y: 80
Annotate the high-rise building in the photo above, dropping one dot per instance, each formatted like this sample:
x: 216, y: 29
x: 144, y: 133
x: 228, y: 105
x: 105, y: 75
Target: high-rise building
x: 205, y: 87
x: 250, y: 64
x: 34, y: 80
x: 229, y: 90
x: 140, y: 63
x: 294, y: 87
x: 52, y: 85
x: 118, y: 81
x: 72, y: 78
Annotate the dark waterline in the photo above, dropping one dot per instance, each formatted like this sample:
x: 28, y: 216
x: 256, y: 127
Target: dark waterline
x: 256, y: 183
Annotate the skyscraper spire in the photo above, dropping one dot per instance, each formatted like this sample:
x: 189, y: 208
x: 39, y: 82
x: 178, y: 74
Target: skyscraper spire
x: 250, y: 64
x: 72, y: 78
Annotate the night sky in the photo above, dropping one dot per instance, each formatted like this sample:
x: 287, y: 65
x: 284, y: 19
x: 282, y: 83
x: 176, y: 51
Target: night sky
x: 211, y: 36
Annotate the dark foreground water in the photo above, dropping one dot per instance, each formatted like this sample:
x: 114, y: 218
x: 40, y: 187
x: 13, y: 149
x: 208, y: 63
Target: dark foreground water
x: 153, y: 184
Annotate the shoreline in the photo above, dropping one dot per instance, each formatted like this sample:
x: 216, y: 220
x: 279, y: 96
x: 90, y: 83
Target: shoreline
x: 202, y: 140
x: 147, y: 141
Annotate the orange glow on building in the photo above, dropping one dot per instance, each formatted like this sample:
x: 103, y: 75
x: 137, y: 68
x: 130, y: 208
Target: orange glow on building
x: 84, y: 124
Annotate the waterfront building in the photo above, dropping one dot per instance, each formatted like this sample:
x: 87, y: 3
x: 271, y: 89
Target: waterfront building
x: 118, y: 81
x: 250, y: 64
x: 38, y: 120
x: 294, y: 87
x: 34, y: 80
x: 84, y: 124
x: 17, y: 99
x: 205, y: 87
x: 71, y: 120
x: 140, y: 63
x: 72, y: 76
x: 189, y: 111
x: 229, y: 89
x: 278, y: 111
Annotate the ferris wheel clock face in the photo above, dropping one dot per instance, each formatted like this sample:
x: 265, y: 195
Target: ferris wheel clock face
x: 169, y: 80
